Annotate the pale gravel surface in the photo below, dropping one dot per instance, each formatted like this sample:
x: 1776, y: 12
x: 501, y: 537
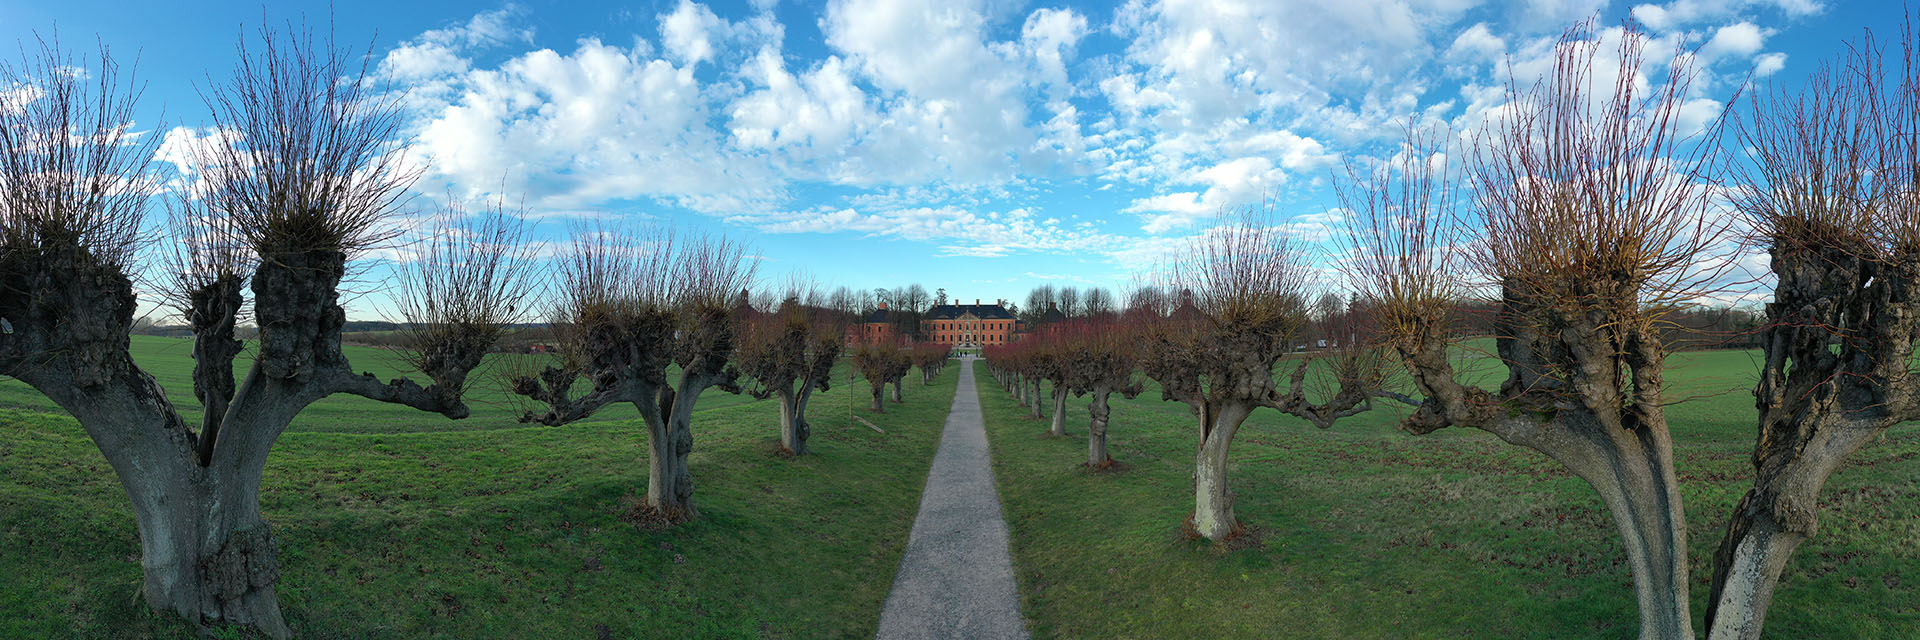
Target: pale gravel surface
x: 956, y: 577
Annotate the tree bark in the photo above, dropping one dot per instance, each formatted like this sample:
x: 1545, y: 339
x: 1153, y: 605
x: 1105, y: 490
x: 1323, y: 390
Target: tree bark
x: 1059, y: 427
x: 1097, y: 429
x: 669, y: 440
x: 206, y: 553
x: 1636, y: 480
x: 877, y: 407
x: 1212, y: 500
x: 1841, y: 328
x: 896, y: 392
x: 1771, y: 521
x: 1033, y: 400
x: 793, y: 422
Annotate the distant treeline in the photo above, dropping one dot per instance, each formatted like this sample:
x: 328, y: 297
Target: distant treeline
x: 522, y: 337
x: 1694, y: 329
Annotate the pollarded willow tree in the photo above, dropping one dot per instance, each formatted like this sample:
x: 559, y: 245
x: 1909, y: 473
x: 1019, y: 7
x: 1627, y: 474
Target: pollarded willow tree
x: 1830, y: 192
x: 790, y: 353
x: 1100, y: 357
x: 1219, y: 350
x: 881, y: 364
x: 931, y: 358
x: 1052, y: 364
x: 1589, y: 221
x: 631, y: 306
x: 1037, y: 365
x: 303, y: 180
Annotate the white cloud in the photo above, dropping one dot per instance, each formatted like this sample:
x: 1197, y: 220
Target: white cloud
x: 1049, y: 36
x: 1476, y: 45
x: 439, y: 52
x: 821, y: 109
x: 957, y: 231
x: 1741, y: 39
x: 1769, y: 64
x: 687, y: 33
x: 1681, y: 13
x: 598, y: 124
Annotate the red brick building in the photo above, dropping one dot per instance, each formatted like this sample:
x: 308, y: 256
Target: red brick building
x: 970, y: 326
x: 876, y: 328
x: 962, y: 326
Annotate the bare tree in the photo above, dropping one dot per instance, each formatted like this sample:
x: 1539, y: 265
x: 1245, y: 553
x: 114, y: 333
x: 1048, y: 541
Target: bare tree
x: 790, y: 353
x: 1098, y: 304
x: 1589, y: 216
x: 1830, y: 192
x: 1069, y: 300
x: 629, y: 307
x: 1242, y: 305
x: 303, y: 181
x: 1039, y: 300
x: 1100, y: 359
x: 931, y: 358
x: 880, y: 365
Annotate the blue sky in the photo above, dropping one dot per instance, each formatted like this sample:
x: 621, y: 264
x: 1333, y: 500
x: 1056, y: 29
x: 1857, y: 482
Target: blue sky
x: 982, y: 146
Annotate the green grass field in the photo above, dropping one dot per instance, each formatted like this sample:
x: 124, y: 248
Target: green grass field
x: 397, y: 523
x: 1368, y: 532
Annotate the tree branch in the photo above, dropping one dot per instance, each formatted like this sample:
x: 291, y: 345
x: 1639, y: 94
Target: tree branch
x: 400, y: 391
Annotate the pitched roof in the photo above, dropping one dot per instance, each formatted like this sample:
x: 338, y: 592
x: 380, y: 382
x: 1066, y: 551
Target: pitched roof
x: 982, y: 311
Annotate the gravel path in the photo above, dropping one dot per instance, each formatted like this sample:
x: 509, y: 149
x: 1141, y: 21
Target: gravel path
x: 956, y: 578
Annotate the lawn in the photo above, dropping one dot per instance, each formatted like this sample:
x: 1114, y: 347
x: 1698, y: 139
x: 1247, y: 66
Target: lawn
x: 396, y: 523
x: 1368, y: 532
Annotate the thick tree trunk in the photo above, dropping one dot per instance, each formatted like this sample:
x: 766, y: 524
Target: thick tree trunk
x: 205, y: 562
x: 1059, y: 427
x: 1097, y: 430
x: 1772, y: 520
x: 1212, y: 500
x: 669, y: 440
x: 896, y: 392
x: 1020, y: 390
x: 793, y: 422
x: 206, y: 553
x: 1632, y: 469
x: 1033, y: 401
x: 877, y: 407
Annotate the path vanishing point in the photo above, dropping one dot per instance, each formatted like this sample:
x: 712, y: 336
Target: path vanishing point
x: 956, y: 577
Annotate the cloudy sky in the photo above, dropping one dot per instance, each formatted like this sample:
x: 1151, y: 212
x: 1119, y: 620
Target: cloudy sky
x: 981, y: 146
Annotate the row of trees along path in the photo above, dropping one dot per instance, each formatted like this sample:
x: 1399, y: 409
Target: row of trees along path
x: 1586, y: 270
x: 1589, y: 219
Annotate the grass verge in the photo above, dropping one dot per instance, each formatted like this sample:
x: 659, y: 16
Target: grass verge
x: 504, y: 532
x: 1366, y: 532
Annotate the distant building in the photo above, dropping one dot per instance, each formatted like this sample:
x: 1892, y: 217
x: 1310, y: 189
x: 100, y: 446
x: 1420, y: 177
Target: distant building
x: 970, y: 326
x: 876, y: 328
x: 961, y: 326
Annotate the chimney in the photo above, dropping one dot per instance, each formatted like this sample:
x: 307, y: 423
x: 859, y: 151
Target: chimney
x: 976, y: 302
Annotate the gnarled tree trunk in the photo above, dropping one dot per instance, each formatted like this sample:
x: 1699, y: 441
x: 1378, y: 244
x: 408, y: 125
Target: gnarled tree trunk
x: 1212, y: 499
x: 1059, y: 427
x: 1097, y: 429
x: 794, y: 429
x: 896, y: 391
x: 1836, y: 376
x: 1770, y: 522
x: 1033, y: 400
x: 669, y: 440
x: 1633, y: 472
